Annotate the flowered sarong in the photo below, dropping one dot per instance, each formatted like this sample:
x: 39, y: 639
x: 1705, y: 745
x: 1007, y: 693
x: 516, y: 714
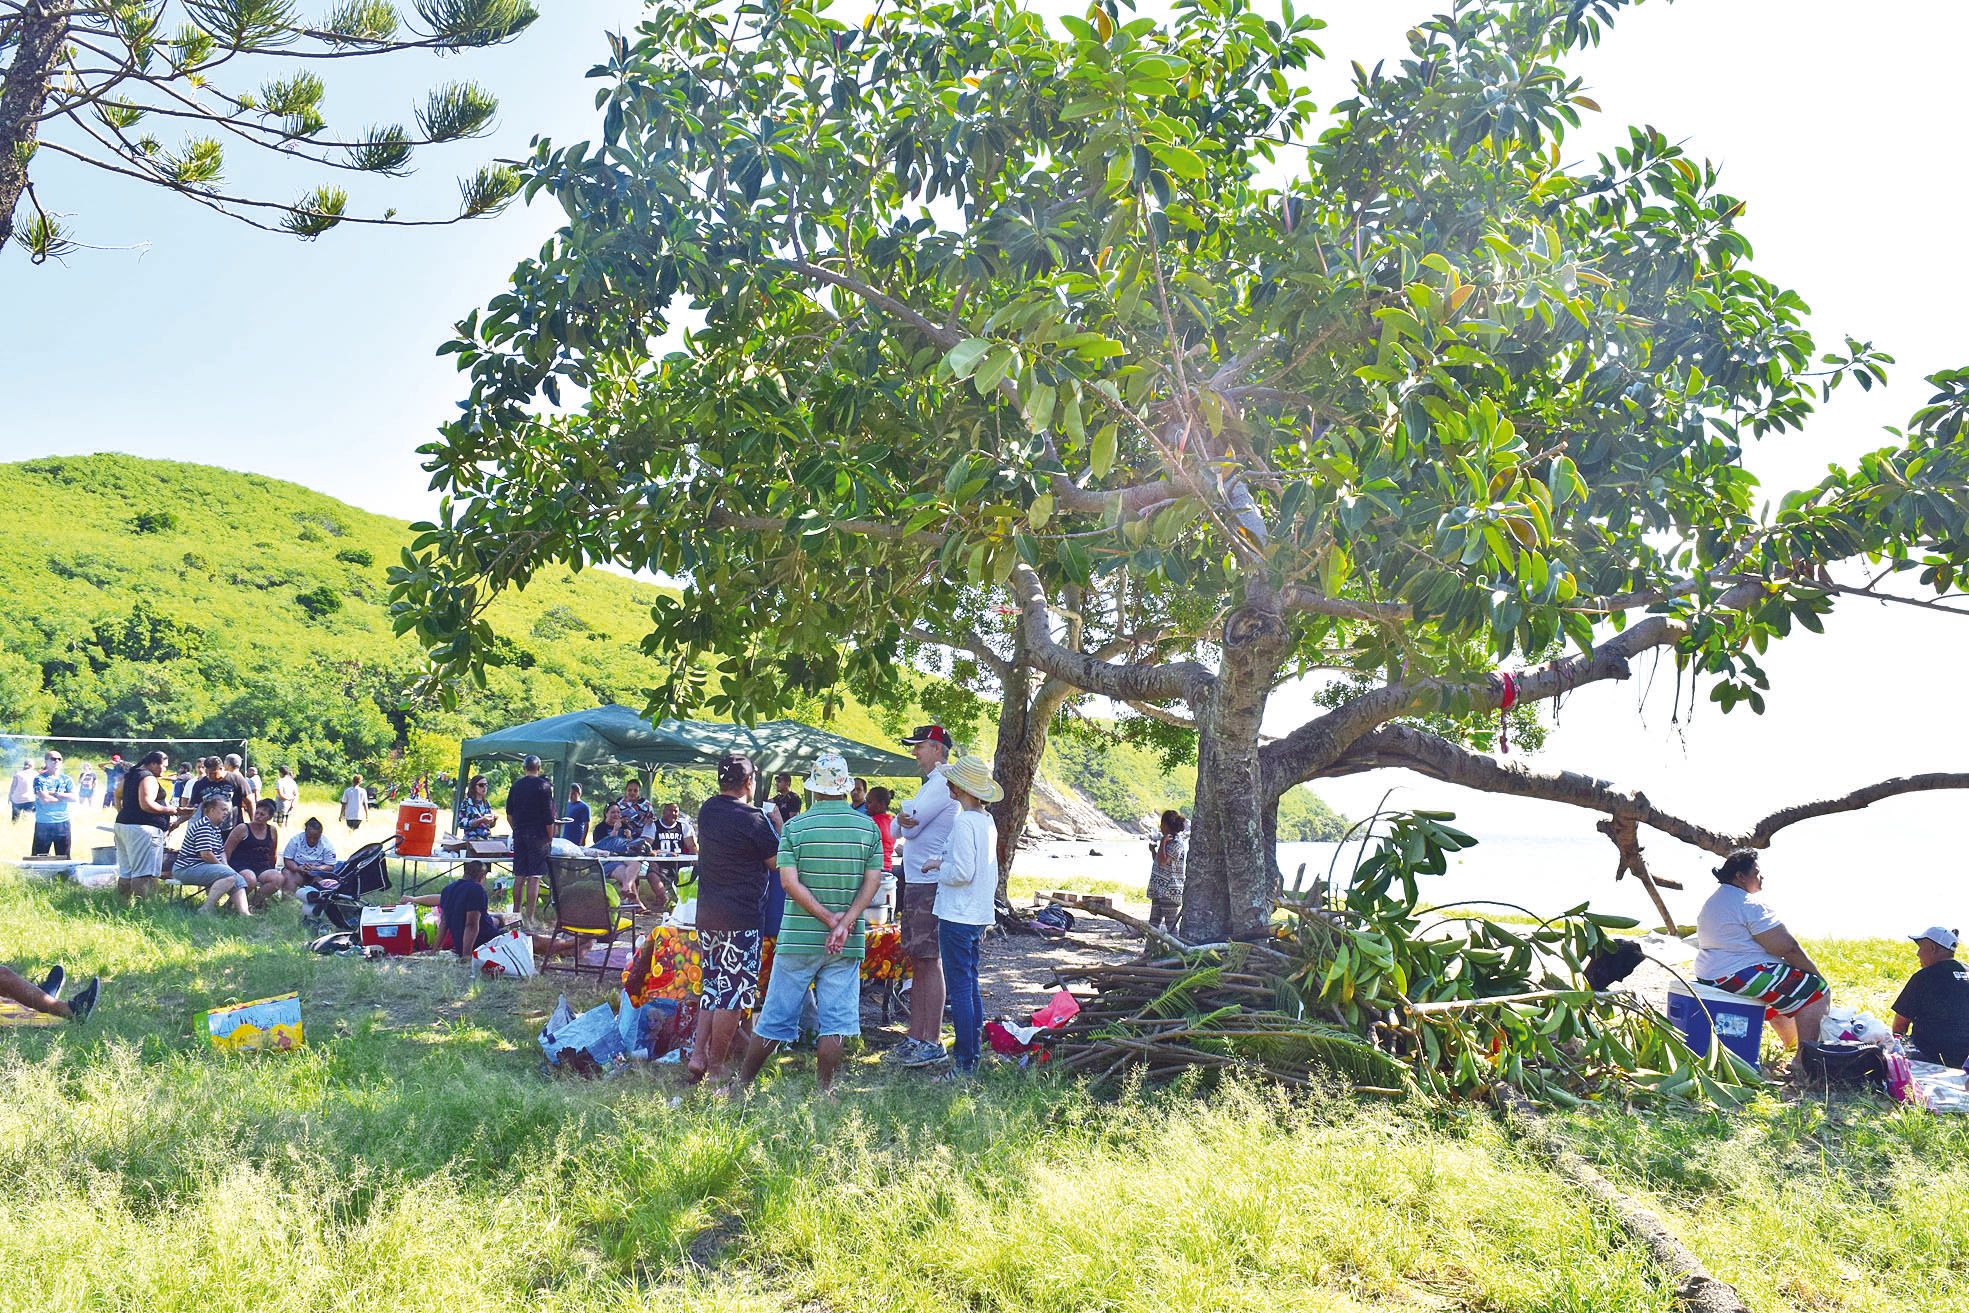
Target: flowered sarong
x: 1781, y: 988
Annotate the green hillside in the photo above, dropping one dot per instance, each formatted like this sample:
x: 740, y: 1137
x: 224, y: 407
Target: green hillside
x: 159, y: 599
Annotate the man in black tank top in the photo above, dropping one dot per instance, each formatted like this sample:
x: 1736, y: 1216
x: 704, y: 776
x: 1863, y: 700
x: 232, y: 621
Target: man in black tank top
x: 143, y: 816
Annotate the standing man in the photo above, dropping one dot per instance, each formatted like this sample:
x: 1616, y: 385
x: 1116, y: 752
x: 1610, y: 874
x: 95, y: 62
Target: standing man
x: 180, y: 781
x: 1934, y: 1004
x: 578, y: 816
x: 248, y: 789
x: 117, y: 773
x: 53, y: 791
x: 830, y: 862
x: 215, y: 783
x: 20, y: 795
x: 784, y: 800
x: 143, y: 816
x: 530, y: 813
x: 286, y: 792
x: 926, y: 820
x: 739, y: 845
x: 355, y: 803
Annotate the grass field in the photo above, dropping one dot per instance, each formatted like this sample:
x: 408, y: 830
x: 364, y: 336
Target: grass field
x: 415, y: 1156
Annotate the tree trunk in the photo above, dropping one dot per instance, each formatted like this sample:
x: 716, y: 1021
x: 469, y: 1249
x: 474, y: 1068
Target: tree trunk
x: 37, y: 49
x: 1024, y: 719
x: 1232, y: 865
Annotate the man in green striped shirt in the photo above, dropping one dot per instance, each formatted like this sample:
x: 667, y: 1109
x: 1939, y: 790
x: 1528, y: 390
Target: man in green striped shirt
x: 830, y: 863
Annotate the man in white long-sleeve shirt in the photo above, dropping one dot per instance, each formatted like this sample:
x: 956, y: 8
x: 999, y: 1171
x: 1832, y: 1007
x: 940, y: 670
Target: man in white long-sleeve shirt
x: 926, y: 820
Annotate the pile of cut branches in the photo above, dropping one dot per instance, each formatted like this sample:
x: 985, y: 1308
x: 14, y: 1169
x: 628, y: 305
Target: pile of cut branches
x: 1367, y: 985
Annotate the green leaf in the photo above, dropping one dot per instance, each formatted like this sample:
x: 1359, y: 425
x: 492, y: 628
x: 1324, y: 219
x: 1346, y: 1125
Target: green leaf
x: 1102, y: 459
x: 964, y: 357
x: 1180, y: 160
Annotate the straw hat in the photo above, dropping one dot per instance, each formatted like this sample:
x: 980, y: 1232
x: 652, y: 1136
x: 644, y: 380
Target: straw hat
x: 970, y: 774
x: 830, y: 776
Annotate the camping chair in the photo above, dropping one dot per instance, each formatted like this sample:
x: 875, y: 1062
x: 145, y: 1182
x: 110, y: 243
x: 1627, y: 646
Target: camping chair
x: 584, y: 910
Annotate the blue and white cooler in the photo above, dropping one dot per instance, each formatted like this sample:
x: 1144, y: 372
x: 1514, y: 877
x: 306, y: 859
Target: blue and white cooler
x: 1730, y: 1019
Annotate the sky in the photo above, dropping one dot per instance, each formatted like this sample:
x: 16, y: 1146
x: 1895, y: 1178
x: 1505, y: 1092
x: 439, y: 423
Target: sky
x: 200, y: 339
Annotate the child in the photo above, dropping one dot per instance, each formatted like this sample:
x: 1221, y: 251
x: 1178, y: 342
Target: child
x: 1166, y: 875
x: 967, y: 902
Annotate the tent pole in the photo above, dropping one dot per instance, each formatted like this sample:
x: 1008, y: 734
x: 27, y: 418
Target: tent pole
x: 458, y: 792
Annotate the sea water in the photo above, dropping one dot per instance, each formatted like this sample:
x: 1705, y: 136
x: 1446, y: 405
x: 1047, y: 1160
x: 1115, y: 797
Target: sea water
x: 1838, y: 876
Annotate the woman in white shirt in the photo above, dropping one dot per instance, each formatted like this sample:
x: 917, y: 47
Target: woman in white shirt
x: 355, y: 803
x: 967, y: 902
x: 1743, y: 948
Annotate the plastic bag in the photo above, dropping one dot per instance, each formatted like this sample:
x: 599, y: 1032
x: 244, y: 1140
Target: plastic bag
x: 591, y: 1040
x: 507, y: 954
x: 1844, y: 1025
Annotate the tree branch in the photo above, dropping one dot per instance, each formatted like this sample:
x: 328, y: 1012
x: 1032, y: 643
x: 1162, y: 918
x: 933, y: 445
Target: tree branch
x: 1398, y: 747
x: 1132, y: 681
x: 1298, y: 598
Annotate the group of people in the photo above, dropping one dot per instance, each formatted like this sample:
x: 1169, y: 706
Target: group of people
x: 50, y: 794
x: 792, y: 875
x: 1743, y: 948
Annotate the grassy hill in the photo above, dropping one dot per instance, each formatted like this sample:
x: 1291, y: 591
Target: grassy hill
x: 159, y: 599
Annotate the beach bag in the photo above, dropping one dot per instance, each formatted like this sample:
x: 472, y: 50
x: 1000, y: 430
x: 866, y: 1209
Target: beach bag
x: 509, y: 953
x: 1843, y: 1066
x: 1899, y: 1075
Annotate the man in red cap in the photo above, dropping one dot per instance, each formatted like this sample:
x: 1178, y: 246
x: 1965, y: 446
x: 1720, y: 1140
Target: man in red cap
x: 926, y: 820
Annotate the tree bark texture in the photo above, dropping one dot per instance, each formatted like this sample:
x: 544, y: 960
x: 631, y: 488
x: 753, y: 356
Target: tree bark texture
x: 38, y: 47
x: 1231, y: 880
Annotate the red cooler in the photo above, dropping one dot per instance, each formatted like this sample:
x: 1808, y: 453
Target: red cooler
x: 417, y: 827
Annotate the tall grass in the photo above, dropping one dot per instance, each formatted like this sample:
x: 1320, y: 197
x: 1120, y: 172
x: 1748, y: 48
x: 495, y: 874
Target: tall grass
x: 415, y: 1156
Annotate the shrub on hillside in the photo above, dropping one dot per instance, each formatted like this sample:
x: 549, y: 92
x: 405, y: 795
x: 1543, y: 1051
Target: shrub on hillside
x: 356, y: 556
x: 319, y: 601
x: 154, y: 522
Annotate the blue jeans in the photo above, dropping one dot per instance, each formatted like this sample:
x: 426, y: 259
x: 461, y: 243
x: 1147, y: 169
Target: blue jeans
x: 836, y: 981
x: 959, y: 945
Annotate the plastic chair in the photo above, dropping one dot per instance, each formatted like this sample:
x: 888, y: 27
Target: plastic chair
x: 584, y: 911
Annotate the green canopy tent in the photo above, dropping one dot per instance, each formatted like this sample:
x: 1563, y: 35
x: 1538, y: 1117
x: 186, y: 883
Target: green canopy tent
x: 614, y: 735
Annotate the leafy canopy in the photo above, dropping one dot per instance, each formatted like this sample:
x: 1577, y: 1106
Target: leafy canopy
x: 871, y: 322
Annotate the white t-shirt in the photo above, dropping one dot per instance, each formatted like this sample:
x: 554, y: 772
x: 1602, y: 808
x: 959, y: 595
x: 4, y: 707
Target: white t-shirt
x: 23, y: 786
x: 1726, y: 931
x: 300, y: 850
x: 355, y: 803
x: 967, y: 878
x: 935, y: 811
x: 286, y: 789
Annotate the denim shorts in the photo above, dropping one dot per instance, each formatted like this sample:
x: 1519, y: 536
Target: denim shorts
x: 205, y: 874
x: 837, y: 990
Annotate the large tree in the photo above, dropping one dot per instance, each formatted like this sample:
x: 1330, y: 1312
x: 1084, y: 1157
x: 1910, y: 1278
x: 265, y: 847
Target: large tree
x: 143, y: 89
x: 883, y: 327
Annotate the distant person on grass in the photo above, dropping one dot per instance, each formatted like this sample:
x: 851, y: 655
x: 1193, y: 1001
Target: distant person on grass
x: 20, y: 795
x: 784, y: 800
x: 355, y: 803
x: 85, y: 784
x: 926, y: 820
x: 53, y: 791
x: 252, y: 848
x: 967, y: 903
x: 286, y: 792
x: 1743, y: 948
x: 735, y: 855
x: 202, y: 858
x: 46, y: 997
x: 475, y: 815
x: 113, y: 789
x: 215, y: 783
x: 578, y: 816
x: 308, y: 858
x: 830, y: 864
x: 1933, y: 1007
x: 530, y: 813
x: 143, y: 817
x: 1168, y: 860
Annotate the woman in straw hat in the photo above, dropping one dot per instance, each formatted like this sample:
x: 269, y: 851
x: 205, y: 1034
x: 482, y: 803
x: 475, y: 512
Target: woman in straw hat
x: 967, y: 892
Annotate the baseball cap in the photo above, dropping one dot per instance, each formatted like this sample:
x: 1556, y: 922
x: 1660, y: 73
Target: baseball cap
x: 928, y: 734
x: 1941, y: 935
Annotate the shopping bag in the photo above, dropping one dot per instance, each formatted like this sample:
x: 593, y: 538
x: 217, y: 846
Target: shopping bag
x: 266, y: 1023
x: 507, y: 954
x: 590, y: 1040
x: 392, y: 929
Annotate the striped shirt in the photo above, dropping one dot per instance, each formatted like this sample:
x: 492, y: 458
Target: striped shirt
x: 204, y: 842
x: 832, y: 848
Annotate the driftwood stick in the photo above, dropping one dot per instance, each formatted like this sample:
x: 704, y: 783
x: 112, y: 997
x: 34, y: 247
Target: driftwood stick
x: 1695, y: 1289
x: 1467, y: 1004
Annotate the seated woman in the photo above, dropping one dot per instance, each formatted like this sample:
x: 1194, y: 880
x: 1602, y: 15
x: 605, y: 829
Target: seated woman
x: 251, y: 849
x: 617, y: 835
x: 202, y: 857
x: 1743, y: 948
x: 309, y: 857
x: 475, y: 816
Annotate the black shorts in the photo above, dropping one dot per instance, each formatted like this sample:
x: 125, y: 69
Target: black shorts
x: 530, y: 854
